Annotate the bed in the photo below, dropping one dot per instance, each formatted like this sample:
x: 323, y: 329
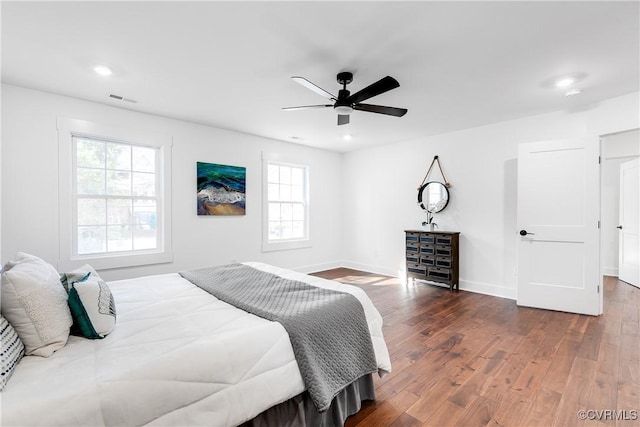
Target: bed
x: 180, y: 356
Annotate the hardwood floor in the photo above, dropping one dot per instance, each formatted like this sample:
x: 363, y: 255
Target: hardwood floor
x: 465, y: 359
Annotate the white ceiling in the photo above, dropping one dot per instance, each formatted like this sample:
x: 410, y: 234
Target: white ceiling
x: 228, y: 64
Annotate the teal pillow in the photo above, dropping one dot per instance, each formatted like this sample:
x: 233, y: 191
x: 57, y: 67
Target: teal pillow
x: 92, y: 307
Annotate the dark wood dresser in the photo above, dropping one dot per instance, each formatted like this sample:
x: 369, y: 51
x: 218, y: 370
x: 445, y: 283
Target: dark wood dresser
x: 433, y: 256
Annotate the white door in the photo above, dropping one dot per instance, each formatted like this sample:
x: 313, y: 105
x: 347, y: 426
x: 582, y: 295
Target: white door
x: 558, y: 213
x: 629, y: 241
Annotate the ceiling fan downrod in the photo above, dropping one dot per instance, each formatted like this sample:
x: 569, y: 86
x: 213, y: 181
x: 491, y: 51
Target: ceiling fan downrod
x: 341, y: 106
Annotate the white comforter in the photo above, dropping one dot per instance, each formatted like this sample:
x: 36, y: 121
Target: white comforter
x: 178, y: 356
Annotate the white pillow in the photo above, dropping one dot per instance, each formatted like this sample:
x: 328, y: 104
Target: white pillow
x: 11, y: 351
x: 76, y: 275
x: 92, y: 307
x: 35, y: 304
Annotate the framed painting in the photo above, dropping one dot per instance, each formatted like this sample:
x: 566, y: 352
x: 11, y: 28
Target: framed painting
x: 221, y: 189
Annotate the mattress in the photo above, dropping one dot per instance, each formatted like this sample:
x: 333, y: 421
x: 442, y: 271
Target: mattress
x: 178, y: 356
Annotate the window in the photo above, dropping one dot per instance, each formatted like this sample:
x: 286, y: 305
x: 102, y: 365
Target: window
x: 116, y: 186
x: 287, y: 210
x: 116, y: 197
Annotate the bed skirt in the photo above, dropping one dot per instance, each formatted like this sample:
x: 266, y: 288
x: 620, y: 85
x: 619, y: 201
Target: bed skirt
x: 300, y: 411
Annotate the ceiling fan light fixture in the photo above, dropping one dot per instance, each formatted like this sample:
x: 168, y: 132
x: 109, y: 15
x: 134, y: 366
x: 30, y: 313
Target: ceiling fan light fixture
x: 343, y: 110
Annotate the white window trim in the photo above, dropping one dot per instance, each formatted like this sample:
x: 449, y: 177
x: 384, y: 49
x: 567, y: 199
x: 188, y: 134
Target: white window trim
x: 270, y: 246
x: 67, y: 129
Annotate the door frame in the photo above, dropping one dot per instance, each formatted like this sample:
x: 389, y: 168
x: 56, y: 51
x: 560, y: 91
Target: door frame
x: 602, y: 142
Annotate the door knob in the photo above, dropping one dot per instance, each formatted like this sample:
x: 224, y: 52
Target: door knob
x: 525, y: 232
x: 619, y: 227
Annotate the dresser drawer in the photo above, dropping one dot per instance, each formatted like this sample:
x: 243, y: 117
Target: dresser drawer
x: 413, y: 257
x: 443, y: 240
x: 443, y: 262
x: 429, y: 261
x: 427, y: 238
x: 443, y: 251
x: 427, y: 249
x: 416, y: 268
x: 413, y: 237
x: 413, y: 248
x: 438, y: 274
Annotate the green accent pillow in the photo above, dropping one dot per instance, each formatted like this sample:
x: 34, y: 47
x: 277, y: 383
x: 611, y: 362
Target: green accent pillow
x: 92, y: 307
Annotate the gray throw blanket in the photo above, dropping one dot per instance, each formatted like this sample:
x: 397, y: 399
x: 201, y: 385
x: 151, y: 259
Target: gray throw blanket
x: 327, y: 329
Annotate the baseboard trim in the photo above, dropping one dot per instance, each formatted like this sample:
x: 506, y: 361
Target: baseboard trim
x: 489, y: 289
x: 480, y: 288
x: 318, y: 267
x: 375, y: 269
x: 610, y: 271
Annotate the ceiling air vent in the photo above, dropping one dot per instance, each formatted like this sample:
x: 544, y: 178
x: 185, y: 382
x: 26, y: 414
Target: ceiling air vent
x: 122, y: 98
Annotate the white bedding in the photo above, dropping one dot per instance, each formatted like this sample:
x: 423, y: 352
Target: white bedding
x: 178, y: 356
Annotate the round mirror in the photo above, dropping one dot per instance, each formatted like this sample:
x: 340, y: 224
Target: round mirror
x: 433, y: 196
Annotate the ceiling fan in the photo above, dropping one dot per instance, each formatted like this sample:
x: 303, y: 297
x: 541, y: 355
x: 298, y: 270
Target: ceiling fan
x: 345, y: 102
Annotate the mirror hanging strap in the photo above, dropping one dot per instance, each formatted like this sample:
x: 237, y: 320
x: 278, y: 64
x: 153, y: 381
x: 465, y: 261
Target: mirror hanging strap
x: 434, y: 161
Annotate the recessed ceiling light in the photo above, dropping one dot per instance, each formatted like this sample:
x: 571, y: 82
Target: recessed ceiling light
x: 347, y: 137
x: 565, y: 81
x: 573, y: 92
x: 103, y: 71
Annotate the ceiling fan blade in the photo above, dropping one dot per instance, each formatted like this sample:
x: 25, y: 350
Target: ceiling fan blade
x: 381, y: 86
x: 343, y: 119
x: 390, y: 111
x: 306, y: 83
x: 306, y: 107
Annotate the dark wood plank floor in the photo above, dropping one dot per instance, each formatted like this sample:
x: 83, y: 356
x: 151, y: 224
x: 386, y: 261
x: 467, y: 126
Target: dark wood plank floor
x: 465, y: 359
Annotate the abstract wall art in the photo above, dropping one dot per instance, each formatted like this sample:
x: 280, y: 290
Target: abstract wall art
x: 221, y: 189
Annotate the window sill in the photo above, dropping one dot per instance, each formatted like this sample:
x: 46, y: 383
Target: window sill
x: 286, y: 245
x: 106, y: 262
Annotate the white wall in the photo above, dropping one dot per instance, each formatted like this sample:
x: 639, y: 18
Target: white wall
x: 30, y: 186
x: 621, y: 145
x: 615, y: 150
x: 481, y: 164
x: 1, y: 264
x: 361, y: 201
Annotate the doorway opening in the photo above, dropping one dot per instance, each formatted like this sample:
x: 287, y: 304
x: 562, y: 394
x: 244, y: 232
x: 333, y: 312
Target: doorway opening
x: 617, y: 151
